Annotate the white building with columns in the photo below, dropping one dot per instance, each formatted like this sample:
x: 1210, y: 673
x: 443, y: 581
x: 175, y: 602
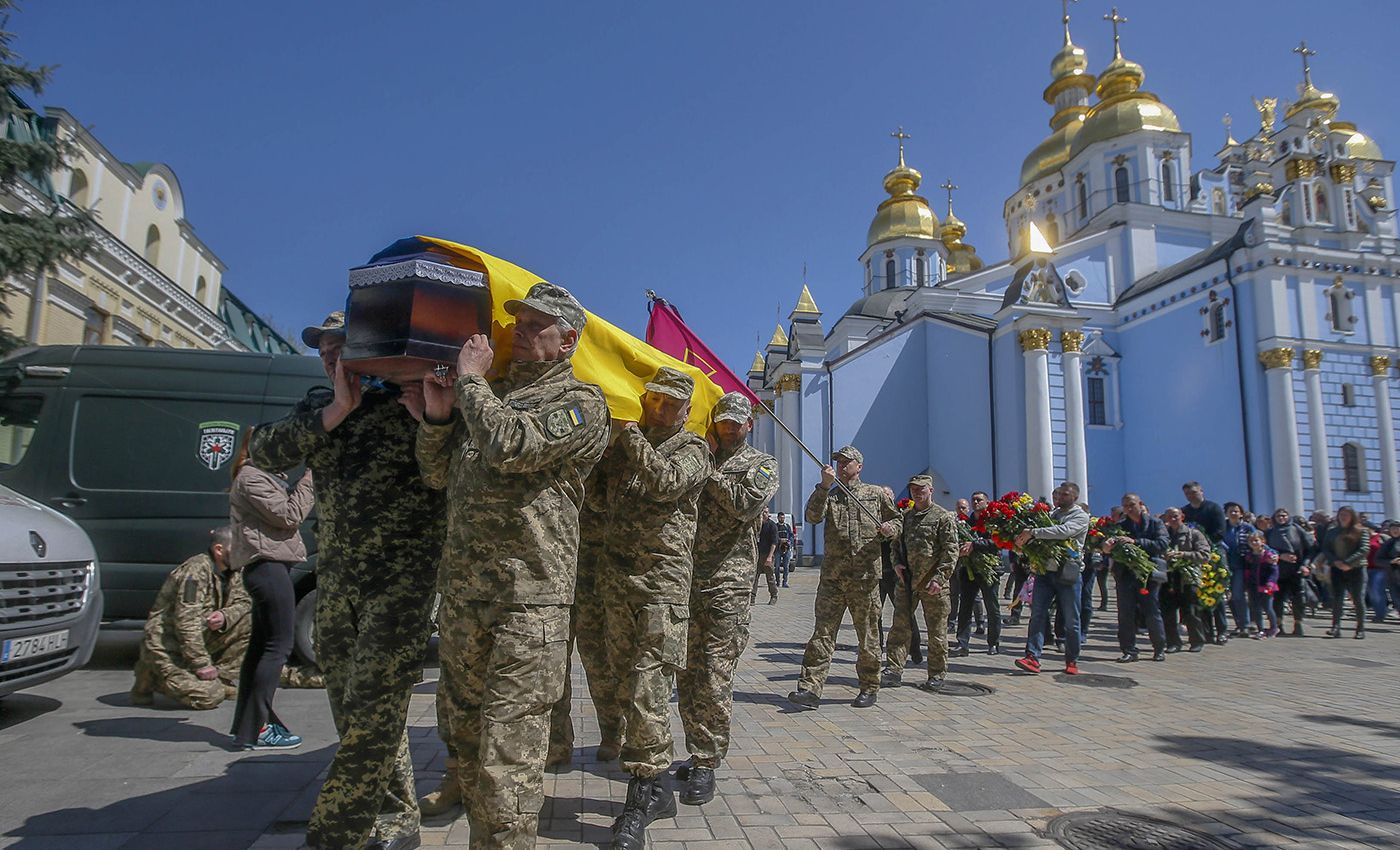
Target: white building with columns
x: 1232, y: 319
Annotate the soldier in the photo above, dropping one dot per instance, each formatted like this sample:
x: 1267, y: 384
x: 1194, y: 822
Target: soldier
x: 926, y: 551
x: 197, y: 631
x: 379, y: 538
x: 652, y: 494
x: 731, y: 506
x: 850, y: 576
x: 514, y: 455
x: 1180, y: 604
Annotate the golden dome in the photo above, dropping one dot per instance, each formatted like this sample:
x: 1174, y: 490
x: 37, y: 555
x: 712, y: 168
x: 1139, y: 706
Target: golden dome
x: 903, y: 213
x: 757, y: 367
x: 1309, y: 97
x: 1358, y: 145
x: 1123, y: 107
x: 1052, y: 153
x: 1068, y: 71
x: 1070, y: 61
x: 953, y: 229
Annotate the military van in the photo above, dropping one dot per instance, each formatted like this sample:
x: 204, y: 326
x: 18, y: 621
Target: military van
x: 136, y: 446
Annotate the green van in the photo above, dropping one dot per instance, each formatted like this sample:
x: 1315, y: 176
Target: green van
x: 136, y: 446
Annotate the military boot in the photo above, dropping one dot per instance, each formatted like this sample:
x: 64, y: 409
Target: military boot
x: 699, y: 785
x: 446, y: 797
x: 559, y: 756
x: 648, y: 799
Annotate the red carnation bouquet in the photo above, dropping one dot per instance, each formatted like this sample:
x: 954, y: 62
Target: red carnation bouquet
x: 904, y: 504
x: 1014, y: 513
x: 1099, y: 531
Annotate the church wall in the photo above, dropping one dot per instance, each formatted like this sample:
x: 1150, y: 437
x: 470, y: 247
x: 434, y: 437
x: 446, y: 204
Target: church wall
x: 959, y: 409
x: 1180, y: 411
x: 1057, y: 415
x: 879, y: 398
x: 1175, y: 244
x: 1103, y: 445
x: 1010, y: 406
x: 1349, y: 424
x: 1092, y: 266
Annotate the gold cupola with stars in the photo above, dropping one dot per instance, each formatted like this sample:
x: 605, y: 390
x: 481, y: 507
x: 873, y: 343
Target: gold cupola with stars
x: 962, y: 257
x: 903, y: 213
x: 1123, y: 107
x: 1069, y: 90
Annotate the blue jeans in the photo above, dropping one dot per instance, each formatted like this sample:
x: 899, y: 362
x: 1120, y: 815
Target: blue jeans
x: 1239, y: 596
x: 1376, y: 581
x: 784, y: 566
x: 1066, y: 596
x: 1086, y: 604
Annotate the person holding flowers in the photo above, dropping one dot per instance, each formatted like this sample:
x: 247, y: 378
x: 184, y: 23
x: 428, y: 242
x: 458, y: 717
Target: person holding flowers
x: 978, y: 560
x: 1189, y: 551
x: 1137, y: 548
x: 1058, y: 576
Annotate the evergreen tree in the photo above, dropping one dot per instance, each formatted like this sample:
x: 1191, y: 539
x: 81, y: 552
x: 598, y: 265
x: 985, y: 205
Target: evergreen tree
x: 31, y: 241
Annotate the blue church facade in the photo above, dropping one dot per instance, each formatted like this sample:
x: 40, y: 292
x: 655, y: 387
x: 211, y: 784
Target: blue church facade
x: 1236, y: 324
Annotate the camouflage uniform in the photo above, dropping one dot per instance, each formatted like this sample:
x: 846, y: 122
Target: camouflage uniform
x: 726, y: 549
x: 651, y: 505
x: 850, y: 579
x: 379, y: 538
x: 928, y: 547
x: 514, y: 460
x: 177, y: 642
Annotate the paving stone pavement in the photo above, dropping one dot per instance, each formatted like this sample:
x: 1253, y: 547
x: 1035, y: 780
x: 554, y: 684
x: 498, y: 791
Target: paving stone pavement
x: 1284, y: 743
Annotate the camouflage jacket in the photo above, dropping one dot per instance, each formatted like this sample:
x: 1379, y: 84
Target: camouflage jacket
x: 851, y: 540
x: 593, y: 522
x: 650, y: 504
x: 928, y: 546
x: 175, y: 627
x: 731, y: 508
x: 514, y: 460
x: 379, y: 526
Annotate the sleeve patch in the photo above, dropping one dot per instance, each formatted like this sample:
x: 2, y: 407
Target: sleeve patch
x: 688, y: 464
x: 191, y: 590
x: 562, y: 422
x: 763, y: 473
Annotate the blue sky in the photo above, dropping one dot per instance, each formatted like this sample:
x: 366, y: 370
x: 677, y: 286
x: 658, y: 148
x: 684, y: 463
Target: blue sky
x: 704, y: 150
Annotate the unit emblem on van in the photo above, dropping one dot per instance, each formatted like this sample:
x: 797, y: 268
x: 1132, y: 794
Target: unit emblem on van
x: 217, y: 442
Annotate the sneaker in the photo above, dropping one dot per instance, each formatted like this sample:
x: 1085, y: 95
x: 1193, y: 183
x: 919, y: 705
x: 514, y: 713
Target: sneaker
x: 958, y: 652
x: 1273, y: 632
x: 994, y: 650
x: 1127, y: 658
x: 1071, y: 669
x: 275, y: 737
x: 1028, y: 663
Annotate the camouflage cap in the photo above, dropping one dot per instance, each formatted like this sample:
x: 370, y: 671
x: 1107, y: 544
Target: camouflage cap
x: 732, y: 407
x: 552, y: 300
x: 921, y: 481
x: 334, y: 324
x: 848, y: 453
x: 671, y: 382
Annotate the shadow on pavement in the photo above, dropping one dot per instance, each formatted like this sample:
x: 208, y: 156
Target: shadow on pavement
x: 1390, y: 730
x: 161, y: 729
x: 17, y: 708
x: 1302, y: 778
x: 227, y: 812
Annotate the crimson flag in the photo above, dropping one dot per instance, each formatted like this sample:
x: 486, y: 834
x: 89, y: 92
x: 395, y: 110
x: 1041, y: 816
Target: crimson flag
x: 668, y: 332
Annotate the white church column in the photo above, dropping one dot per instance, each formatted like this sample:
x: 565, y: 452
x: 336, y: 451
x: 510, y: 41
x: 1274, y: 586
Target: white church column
x: 790, y: 500
x: 1317, y: 431
x: 1040, y: 455
x: 1076, y: 457
x: 1283, y: 430
x: 1385, y: 427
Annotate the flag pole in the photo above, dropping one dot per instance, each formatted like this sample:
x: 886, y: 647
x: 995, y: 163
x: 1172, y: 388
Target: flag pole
x: 813, y: 455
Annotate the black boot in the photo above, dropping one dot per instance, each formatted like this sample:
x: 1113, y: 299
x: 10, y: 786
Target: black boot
x: 647, y: 800
x: 699, y: 785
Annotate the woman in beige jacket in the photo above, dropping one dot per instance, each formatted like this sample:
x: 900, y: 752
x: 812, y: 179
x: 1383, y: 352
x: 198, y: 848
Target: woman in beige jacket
x: 266, y: 520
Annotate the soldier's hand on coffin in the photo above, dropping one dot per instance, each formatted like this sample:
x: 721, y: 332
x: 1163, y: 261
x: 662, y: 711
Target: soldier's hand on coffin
x: 207, y: 674
x: 411, y: 397
x: 476, y: 356
x: 437, y: 399
x: 347, y: 388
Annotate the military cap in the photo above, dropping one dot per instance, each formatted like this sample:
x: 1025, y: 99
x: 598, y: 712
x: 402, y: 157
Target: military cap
x: 552, y: 300
x: 921, y: 481
x: 732, y: 407
x: 334, y: 324
x: 671, y: 382
x: 848, y: 453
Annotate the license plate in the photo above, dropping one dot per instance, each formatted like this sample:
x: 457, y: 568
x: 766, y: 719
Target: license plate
x: 17, y: 649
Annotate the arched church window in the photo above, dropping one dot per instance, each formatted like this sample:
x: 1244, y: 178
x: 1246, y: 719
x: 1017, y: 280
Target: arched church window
x: 1217, y: 322
x: 1354, y: 467
x: 1083, y: 200
x: 921, y: 271
x: 1096, y: 397
x: 152, y: 252
x: 78, y: 189
x: 1168, y: 183
x: 891, y: 277
x: 1340, y: 314
x: 1217, y: 201
x: 1120, y: 184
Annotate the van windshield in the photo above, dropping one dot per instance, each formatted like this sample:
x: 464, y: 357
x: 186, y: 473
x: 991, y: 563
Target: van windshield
x: 19, y: 417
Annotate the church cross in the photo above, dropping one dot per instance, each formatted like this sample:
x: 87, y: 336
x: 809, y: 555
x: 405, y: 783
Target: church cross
x: 901, y: 136
x: 1116, y: 19
x: 950, y: 188
x: 1064, y: 7
x: 1303, y: 51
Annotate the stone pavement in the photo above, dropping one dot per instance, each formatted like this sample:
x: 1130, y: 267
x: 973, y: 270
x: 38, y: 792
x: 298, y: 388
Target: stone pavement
x: 1282, y: 743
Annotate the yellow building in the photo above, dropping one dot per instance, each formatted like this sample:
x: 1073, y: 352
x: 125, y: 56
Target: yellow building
x: 149, y: 279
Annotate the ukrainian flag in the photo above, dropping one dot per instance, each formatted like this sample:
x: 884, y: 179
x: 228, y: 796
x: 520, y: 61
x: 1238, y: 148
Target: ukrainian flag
x: 608, y: 356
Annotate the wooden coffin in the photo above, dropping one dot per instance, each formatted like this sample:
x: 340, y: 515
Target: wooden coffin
x: 407, y: 314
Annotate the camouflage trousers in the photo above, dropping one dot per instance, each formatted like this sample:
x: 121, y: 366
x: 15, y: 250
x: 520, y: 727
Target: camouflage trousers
x: 719, y: 631
x: 935, y: 617
x: 592, y: 652
x: 157, y: 670
x: 504, y: 666
x: 645, y: 648
x: 370, y: 650
x: 834, y: 598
